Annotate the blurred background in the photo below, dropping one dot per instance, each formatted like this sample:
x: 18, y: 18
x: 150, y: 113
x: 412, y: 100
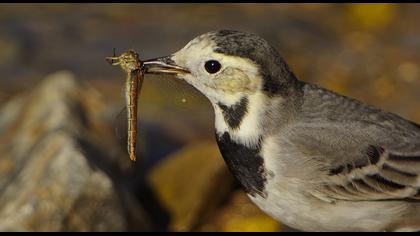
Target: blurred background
x: 63, y: 160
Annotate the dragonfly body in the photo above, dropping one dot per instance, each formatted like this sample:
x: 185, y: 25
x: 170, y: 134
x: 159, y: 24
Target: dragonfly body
x: 132, y: 65
x: 131, y: 93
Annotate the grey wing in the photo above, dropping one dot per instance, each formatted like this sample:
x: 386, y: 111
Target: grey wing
x: 361, y: 162
x: 386, y: 175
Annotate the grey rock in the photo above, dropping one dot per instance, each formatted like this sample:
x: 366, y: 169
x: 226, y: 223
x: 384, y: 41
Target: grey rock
x: 58, y: 169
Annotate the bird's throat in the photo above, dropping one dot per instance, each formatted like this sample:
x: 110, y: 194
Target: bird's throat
x: 233, y: 115
x: 243, y: 120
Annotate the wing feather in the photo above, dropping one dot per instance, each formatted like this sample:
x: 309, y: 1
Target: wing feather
x: 387, y: 175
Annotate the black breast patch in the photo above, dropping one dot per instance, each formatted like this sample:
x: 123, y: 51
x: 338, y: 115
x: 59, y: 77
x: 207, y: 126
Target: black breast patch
x: 245, y: 163
x: 234, y: 114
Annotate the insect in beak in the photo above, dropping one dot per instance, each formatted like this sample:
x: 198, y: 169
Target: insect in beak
x: 131, y: 64
x: 135, y: 70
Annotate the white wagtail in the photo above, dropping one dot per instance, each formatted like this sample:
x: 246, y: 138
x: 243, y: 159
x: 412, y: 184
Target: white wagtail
x: 313, y: 159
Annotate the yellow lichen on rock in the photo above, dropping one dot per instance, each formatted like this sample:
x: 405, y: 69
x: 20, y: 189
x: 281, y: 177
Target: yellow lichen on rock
x: 239, y: 214
x: 191, y: 183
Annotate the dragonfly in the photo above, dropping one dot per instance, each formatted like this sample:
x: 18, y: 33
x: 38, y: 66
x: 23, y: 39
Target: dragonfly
x: 135, y: 70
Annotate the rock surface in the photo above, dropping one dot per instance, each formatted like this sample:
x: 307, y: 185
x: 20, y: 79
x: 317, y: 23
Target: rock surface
x: 58, y: 171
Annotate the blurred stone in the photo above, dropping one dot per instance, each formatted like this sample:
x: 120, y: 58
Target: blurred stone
x: 239, y: 214
x: 408, y: 71
x: 59, y: 169
x: 191, y: 184
x: 359, y: 41
x: 384, y: 87
x: 10, y: 50
x: 372, y: 16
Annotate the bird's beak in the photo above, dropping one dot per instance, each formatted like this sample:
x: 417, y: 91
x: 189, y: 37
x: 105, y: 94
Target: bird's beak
x: 163, y: 65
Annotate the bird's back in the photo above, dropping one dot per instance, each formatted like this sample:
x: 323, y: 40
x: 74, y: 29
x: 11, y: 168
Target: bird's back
x: 363, y: 122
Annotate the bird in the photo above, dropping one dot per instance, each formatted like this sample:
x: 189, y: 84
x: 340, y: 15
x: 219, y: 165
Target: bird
x: 309, y: 157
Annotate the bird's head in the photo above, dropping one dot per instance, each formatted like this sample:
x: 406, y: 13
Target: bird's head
x: 230, y: 68
x: 226, y: 65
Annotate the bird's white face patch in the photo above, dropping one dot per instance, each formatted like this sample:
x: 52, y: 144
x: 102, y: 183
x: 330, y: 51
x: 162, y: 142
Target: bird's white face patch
x: 237, y: 76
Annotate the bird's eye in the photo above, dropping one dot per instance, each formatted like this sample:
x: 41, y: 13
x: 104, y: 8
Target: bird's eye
x: 212, y: 66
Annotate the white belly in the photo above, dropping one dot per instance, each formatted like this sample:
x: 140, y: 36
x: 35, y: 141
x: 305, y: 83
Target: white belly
x: 312, y: 214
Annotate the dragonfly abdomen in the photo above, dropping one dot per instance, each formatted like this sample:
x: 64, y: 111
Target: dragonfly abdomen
x: 131, y: 97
